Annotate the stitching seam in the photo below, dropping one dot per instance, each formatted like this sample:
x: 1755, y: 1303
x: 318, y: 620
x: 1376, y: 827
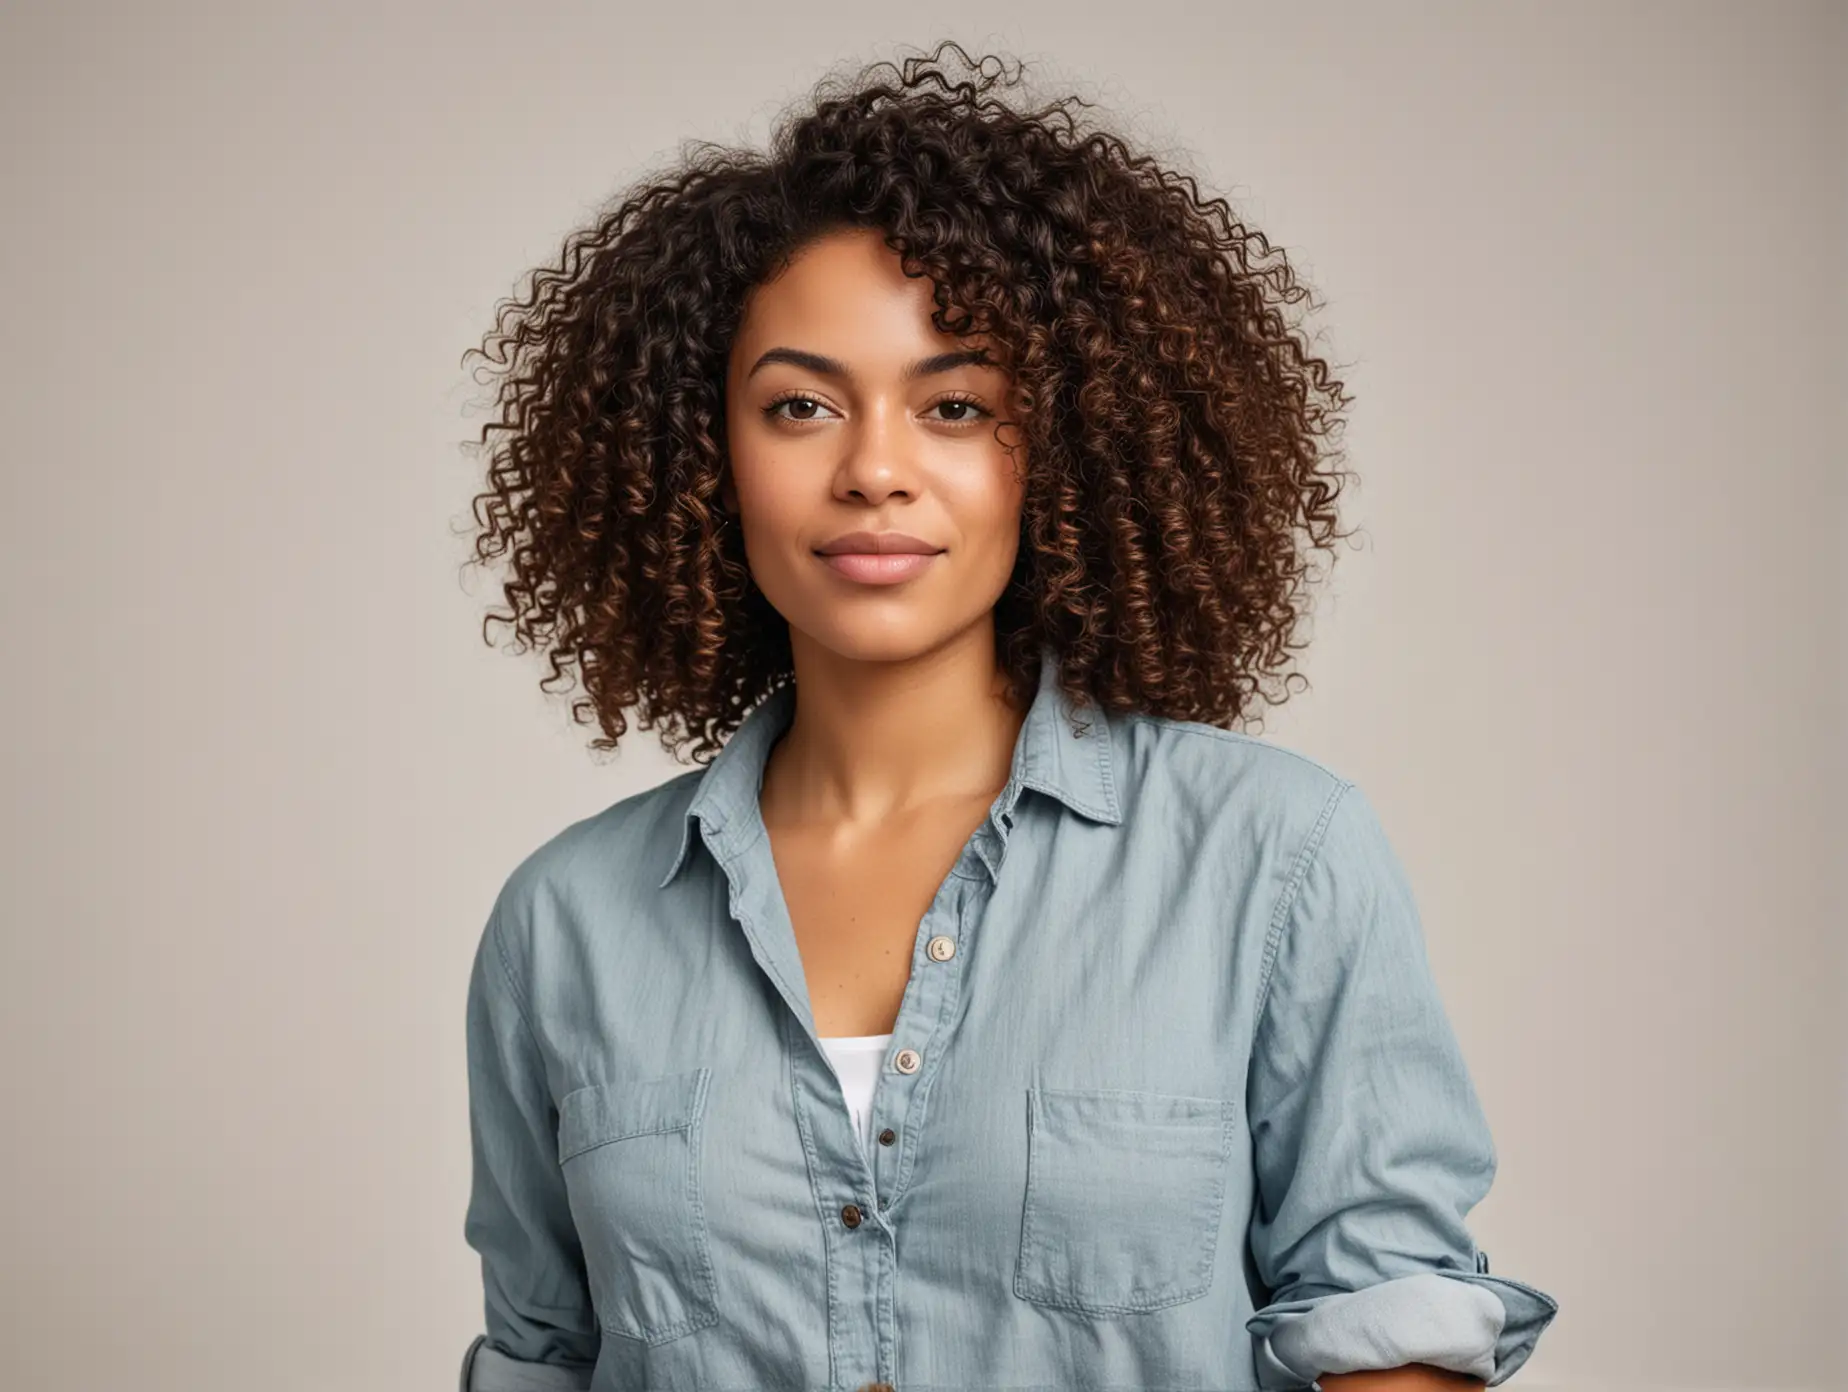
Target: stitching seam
x: 1286, y: 901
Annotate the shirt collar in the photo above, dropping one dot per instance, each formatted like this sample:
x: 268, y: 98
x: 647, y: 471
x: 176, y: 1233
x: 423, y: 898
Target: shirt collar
x: 1077, y: 769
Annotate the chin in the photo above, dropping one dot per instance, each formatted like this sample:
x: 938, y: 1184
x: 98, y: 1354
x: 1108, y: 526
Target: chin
x: 888, y: 642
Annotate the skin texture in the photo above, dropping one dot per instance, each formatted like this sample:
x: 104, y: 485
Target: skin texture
x: 876, y: 452
x: 903, y: 732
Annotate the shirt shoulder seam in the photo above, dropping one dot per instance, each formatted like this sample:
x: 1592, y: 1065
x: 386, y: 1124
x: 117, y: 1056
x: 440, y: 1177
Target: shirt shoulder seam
x: 1213, y: 732
x: 1286, y: 898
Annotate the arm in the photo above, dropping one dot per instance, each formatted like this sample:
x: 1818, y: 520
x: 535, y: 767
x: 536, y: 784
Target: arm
x: 1418, y: 1377
x: 1370, y: 1144
x: 541, y: 1332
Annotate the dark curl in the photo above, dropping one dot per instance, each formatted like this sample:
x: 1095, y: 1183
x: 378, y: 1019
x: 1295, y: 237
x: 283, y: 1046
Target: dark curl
x: 1178, y: 433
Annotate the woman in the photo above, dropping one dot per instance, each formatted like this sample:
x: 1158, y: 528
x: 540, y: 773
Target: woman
x: 985, y: 1013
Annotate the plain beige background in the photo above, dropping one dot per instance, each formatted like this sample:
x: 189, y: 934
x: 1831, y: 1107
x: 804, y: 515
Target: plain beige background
x: 1584, y: 264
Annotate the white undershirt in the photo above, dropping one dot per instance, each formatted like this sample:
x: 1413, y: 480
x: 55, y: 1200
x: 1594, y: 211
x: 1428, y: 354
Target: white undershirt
x: 857, y: 1058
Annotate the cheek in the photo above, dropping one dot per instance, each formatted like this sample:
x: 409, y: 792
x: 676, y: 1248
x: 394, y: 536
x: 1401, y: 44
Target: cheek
x: 763, y: 492
x: 769, y: 523
x: 991, y: 505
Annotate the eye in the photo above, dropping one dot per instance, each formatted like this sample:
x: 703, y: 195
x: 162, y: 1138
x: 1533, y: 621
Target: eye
x: 788, y: 399
x: 967, y: 408
x: 963, y: 410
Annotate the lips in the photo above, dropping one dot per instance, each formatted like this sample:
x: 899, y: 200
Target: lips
x: 878, y: 544
x: 878, y: 558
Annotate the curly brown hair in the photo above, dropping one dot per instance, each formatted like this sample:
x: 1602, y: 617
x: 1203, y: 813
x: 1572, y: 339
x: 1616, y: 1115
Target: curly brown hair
x: 1179, y: 434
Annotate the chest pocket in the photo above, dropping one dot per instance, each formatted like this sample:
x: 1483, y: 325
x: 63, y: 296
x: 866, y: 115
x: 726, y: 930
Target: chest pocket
x: 630, y: 1153
x: 1123, y: 1198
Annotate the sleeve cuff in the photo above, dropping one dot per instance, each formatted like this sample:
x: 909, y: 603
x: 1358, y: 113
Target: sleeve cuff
x: 486, y: 1369
x: 1465, y: 1321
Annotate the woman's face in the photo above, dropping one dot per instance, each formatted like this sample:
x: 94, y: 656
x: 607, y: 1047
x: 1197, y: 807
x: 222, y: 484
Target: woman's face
x: 839, y: 421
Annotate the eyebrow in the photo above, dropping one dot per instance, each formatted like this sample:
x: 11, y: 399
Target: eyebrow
x: 833, y: 367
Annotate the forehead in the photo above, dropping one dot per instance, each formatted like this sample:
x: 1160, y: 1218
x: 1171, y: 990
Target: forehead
x: 846, y: 295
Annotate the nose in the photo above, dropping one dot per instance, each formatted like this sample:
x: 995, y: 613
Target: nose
x: 877, y: 460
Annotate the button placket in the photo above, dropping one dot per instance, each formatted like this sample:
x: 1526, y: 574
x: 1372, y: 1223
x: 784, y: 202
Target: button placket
x: 924, y: 1002
x: 924, y: 1012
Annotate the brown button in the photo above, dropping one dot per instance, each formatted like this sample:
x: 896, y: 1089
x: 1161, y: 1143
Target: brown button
x: 875, y: 1387
x: 850, y: 1215
x: 887, y: 1136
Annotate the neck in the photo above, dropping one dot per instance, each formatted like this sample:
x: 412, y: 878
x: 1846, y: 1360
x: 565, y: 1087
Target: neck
x: 871, y: 740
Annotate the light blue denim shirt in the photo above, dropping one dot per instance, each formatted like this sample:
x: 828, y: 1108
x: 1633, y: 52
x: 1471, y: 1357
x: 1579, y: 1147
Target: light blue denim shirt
x: 1171, y: 1101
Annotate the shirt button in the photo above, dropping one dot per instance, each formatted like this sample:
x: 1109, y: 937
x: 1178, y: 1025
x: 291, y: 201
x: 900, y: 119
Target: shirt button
x: 850, y: 1215
x: 908, y: 1061
x: 941, y: 949
x: 887, y: 1136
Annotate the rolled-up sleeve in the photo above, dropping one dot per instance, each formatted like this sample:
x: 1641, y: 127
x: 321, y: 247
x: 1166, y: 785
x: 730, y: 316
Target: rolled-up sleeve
x: 541, y: 1331
x: 1370, y: 1142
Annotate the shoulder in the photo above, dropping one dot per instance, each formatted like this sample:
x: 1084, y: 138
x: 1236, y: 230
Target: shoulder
x: 1263, y: 787
x: 1334, y: 873
x: 594, y: 862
